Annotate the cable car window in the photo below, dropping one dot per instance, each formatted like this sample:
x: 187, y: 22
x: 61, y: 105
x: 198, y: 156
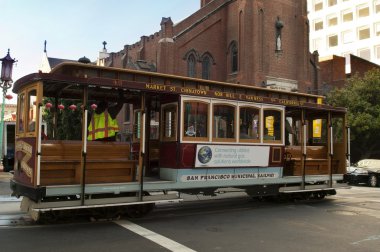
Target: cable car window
x: 272, y: 125
x: 195, y: 120
x: 154, y: 125
x: 224, y: 122
x: 137, y: 125
x: 338, y: 129
x: 169, y: 118
x: 319, y: 131
x: 249, y: 124
x: 20, y: 113
x: 32, y: 110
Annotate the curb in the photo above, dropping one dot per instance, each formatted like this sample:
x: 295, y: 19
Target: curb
x: 5, y: 175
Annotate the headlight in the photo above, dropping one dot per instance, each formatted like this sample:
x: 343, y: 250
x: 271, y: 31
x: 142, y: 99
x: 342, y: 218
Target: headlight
x: 351, y: 169
x: 360, y: 171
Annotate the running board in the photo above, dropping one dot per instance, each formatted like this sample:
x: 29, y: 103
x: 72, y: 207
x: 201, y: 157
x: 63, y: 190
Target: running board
x: 312, y: 188
x: 29, y: 205
x: 106, y: 205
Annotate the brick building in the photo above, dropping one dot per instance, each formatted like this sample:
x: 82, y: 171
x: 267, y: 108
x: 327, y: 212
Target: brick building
x: 257, y: 42
x: 336, y: 69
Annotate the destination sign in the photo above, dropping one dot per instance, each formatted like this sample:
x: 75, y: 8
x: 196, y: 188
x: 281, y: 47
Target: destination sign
x: 224, y: 95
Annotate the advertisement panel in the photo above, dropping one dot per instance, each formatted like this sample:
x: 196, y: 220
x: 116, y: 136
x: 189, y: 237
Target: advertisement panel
x: 231, y: 156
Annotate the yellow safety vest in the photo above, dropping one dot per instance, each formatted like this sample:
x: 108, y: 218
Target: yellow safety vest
x: 102, y: 126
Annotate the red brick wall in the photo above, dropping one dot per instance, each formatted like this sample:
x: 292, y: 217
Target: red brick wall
x: 333, y: 70
x: 212, y: 29
x: 361, y: 66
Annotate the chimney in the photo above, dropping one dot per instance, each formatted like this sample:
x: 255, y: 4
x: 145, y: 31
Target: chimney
x: 166, y: 27
x: 205, y: 2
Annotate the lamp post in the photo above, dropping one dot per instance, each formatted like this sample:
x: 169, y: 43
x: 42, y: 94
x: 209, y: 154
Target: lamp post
x: 5, y: 84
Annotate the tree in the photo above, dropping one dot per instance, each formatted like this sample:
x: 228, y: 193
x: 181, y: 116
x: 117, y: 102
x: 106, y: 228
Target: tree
x: 361, y: 96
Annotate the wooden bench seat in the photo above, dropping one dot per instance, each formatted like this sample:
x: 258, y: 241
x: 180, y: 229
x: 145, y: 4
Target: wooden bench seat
x: 314, y: 167
x: 106, y: 162
x: 316, y: 162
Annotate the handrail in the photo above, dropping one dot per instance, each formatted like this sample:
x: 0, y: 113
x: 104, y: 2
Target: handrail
x: 84, y: 156
x: 39, y: 140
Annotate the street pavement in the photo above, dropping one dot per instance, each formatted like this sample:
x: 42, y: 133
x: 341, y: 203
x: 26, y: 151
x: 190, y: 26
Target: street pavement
x: 8, y: 204
x: 10, y: 213
x: 348, y: 221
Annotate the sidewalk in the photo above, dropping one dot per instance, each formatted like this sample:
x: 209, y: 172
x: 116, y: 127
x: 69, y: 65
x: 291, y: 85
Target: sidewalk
x: 5, y: 178
x: 4, y: 175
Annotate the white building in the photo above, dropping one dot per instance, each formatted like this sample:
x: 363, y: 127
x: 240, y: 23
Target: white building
x: 344, y: 27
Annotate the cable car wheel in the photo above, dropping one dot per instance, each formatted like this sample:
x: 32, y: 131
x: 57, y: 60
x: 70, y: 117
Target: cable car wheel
x: 49, y: 217
x: 139, y: 210
x: 106, y: 213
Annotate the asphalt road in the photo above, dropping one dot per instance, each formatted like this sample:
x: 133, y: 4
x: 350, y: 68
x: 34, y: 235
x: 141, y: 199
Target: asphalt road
x: 349, y: 221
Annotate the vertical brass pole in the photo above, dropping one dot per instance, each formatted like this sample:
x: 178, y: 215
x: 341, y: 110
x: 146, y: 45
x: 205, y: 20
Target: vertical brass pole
x: 330, y: 141
x: 84, y: 146
x: 142, y: 147
x: 2, y: 151
x: 347, y: 141
x: 303, y: 149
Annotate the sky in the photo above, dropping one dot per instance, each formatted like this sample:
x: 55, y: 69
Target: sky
x: 77, y: 28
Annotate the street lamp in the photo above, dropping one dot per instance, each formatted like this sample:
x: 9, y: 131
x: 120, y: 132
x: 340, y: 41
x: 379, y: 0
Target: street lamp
x: 5, y: 84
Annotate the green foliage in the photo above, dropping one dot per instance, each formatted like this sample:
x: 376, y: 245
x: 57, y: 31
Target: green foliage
x: 69, y: 123
x: 361, y: 96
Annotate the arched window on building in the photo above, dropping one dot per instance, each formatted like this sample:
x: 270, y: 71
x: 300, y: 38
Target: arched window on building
x: 191, y: 64
x: 234, y: 57
x: 207, y: 61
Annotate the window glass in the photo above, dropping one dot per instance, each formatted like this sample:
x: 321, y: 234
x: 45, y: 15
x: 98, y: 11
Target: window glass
x: 319, y: 134
x: 32, y: 110
x: 318, y: 25
x: 191, y: 66
x: 223, y: 122
x: 293, y: 131
x: 206, y: 68
x: 348, y: 16
x: 249, y: 123
x: 332, y: 21
x: 365, y: 54
x: 377, y: 51
x: 363, y: 12
x: 195, y: 119
x: 377, y: 29
x: 364, y: 33
x: 137, y: 125
x: 169, y: 117
x: 127, y: 112
x: 318, y: 5
x: 290, y: 131
x: 332, y: 2
x: 377, y: 7
x: 154, y: 125
x: 272, y: 125
x: 20, y: 113
x: 333, y: 40
x: 338, y: 129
